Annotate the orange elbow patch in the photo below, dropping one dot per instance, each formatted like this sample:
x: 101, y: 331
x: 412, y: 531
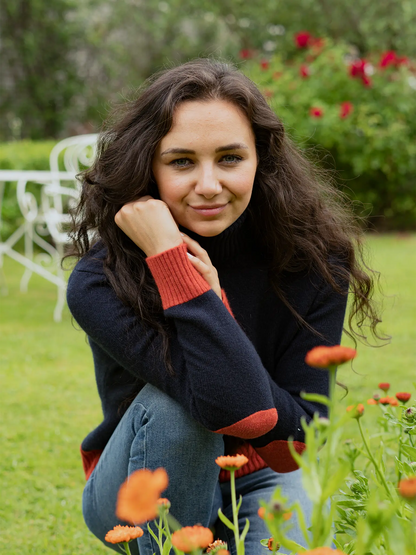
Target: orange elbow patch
x: 278, y: 456
x: 252, y: 426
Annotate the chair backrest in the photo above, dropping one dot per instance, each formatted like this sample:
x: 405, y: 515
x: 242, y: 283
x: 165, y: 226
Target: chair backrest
x: 78, y: 153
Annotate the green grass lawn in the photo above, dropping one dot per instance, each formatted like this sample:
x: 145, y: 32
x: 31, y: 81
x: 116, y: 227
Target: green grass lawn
x: 49, y: 402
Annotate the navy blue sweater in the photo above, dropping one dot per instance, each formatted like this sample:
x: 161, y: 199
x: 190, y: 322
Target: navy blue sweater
x: 238, y: 374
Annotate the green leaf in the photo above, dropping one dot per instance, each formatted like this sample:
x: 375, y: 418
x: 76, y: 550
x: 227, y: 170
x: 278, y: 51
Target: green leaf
x: 315, y: 397
x: 410, y: 451
x: 244, y: 532
x: 166, y: 547
x: 225, y: 520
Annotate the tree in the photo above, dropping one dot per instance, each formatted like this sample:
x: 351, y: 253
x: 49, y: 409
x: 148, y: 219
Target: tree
x: 38, y: 67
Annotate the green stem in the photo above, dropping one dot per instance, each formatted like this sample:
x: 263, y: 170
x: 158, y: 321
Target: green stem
x: 332, y: 382
x: 399, y: 455
x: 160, y: 535
x: 127, y: 548
x: 235, y: 514
x: 172, y: 523
x: 318, y: 509
x: 372, y: 459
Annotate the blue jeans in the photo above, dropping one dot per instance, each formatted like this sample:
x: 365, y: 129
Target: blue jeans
x: 156, y: 431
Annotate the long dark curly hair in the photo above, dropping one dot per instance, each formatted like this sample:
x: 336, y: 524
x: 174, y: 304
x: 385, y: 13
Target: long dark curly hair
x: 300, y: 218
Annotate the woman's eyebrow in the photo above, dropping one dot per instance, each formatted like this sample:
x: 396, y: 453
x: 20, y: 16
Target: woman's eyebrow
x: 232, y: 146
x: 177, y: 151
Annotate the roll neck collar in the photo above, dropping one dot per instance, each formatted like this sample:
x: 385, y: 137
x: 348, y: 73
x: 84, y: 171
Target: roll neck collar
x: 228, y: 247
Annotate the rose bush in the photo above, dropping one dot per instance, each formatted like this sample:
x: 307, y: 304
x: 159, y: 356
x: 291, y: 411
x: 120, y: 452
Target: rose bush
x: 361, y: 111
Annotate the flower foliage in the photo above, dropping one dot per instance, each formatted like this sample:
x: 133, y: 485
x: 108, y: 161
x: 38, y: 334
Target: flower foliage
x: 323, y: 551
x: 231, y: 462
x: 216, y: 547
x: 407, y: 488
x: 384, y: 386
x: 403, y: 396
x: 361, y: 109
x: 189, y: 538
x: 356, y: 410
x: 121, y: 534
x: 138, y: 497
x: 323, y: 357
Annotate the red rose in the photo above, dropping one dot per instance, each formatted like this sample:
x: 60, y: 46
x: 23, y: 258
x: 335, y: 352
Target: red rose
x: 357, y: 68
x: 317, y: 44
x: 304, y: 71
x: 366, y: 80
x: 388, y: 59
x: 401, y: 60
x: 345, y: 109
x: 316, y: 112
x: 264, y: 64
x: 246, y: 54
x: 303, y: 39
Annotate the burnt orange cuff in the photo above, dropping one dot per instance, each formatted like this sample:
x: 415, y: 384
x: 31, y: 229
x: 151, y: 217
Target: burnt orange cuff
x: 226, y: 303
x: 175, y: 277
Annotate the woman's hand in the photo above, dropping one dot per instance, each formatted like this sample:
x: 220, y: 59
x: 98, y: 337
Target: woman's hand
x: 202, y: 263
x: 149, y: 223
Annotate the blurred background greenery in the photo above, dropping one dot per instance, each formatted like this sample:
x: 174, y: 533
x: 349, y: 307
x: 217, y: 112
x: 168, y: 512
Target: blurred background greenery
x: 341, y: 75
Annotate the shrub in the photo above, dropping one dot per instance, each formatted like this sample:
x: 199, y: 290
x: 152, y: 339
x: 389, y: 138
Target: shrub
x: 360, y: 110
x: 20, y: 155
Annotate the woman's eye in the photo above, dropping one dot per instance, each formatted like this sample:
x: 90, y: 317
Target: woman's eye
x: 181, y: 162
x: 231, y: 158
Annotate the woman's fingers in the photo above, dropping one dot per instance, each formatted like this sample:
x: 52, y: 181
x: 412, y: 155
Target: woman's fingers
x: 149, y: 223
x: 195, y: 248
x: 202, y: 263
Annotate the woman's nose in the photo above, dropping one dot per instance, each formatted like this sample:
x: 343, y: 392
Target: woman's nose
x: 207, y: 184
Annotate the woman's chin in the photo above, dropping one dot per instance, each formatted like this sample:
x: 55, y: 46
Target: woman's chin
x: 207, y: 229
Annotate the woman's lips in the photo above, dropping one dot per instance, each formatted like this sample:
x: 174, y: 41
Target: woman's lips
x: 209, y: 210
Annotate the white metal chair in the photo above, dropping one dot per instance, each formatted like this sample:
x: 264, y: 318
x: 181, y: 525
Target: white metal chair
x: 49, y: 217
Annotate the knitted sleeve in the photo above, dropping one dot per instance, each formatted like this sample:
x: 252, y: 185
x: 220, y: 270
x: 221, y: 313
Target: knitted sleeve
x: 218, y: 376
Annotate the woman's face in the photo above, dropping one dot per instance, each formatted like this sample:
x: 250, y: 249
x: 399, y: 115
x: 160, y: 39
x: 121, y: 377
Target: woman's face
x: 205, y: 166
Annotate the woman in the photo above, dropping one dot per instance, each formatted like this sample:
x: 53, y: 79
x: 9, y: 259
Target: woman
x: 218, y: 259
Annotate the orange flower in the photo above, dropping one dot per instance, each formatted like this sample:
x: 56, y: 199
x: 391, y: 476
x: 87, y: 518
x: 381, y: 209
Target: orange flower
x: 384, y: 386
x: 407, y: 488
x: 403, y: 397
x: 323, y: 551
x: 262, y: 514
x: 214, y: 545
x: 323, y: 357
x: 121, y: 534
x: 288, y: 515
x: 389, y: 401
x: 229, y: 462
x: 163, y: 501
x: 138, y: 496
x: 371, y: 402
x: 223, y: 552
x: 358, y: 410
x: 191, y: 537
